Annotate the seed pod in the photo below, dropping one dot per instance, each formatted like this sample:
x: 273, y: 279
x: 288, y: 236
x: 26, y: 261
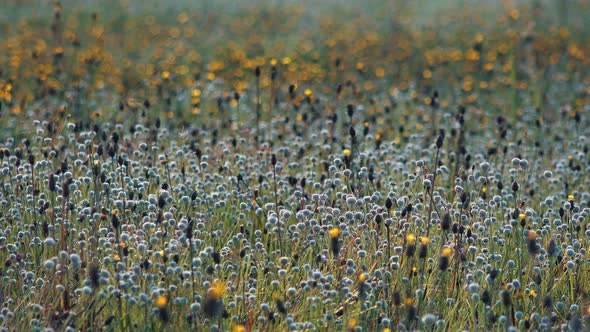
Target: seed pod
x: 446, y: 222
x: 493, y: 274
x: 111, y: 151
x: 463, y: 198
x: 388, y: 204
x: 115, y: 221
x: 378, y: 219
x: 461, y: 229
x: 350, y: 110
x: 189, y: 230
x: 397, y: 298
x: 52, y: 183
x: 547, y: 302
x: 439, y: 141
x: 412, y: 311
x: 280, y: 305
x: 93, y: 274
x: 164, y: 315
x: 506, y: 298
x: 216, y: 257
x: 443, y: 263
x: 145, y: 264
x: 485, y: 297
x: 423, y: 252
x: 45, y: 228
x: 66, y: 188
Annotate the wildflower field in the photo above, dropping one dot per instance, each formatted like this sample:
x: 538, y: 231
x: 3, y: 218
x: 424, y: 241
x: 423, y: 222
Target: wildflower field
x: 294, y: 165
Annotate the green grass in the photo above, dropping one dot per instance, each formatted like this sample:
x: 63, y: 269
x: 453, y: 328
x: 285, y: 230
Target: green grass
x: 391, y: 167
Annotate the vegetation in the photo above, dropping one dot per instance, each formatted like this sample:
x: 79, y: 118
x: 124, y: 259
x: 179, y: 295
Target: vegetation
x: 271, y: 166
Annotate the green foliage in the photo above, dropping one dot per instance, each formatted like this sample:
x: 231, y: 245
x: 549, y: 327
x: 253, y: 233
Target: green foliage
x: 294, y: 166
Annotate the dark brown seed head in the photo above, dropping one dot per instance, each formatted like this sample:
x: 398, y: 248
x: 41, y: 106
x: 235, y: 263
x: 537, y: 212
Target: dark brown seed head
x: 164, y: 314
x: 52, y: 183
x: 439, y: 141
x: 66, y: 188
x: 189, y: 230
x: 412, y: 311
x: 463, y: 197
x: 443, y: 263
x: 515, y: 186
x: 423, y: 252
x: 350, y: 110
x: 281, y: 306
x: 213, y: 308
x: 335, y: 246
x: 446, y: 222
x: 547, y: 302
x: 216, y: 257
x: 115, y: 221
x: 506, y: 298
x: 532, y: 247
x: 397, y: 298
x: 93, y: 274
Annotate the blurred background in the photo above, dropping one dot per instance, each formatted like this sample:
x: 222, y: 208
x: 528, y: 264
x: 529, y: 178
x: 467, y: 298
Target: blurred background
x: 134, y: 48
x: 382, y: 14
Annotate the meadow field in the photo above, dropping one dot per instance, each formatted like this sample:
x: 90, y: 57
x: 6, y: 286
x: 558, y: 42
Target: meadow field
x: 294, y: 165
